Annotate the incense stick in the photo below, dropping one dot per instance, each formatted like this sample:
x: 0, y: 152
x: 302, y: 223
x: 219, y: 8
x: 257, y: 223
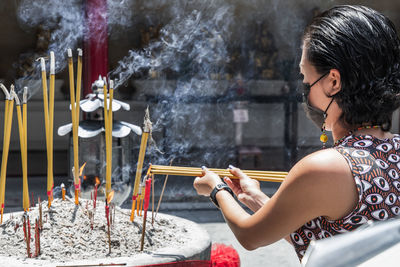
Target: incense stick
x: 74, y: 128
x: 25, y: 201
x: 146, y: 207
x: 162, y: 191
x: 107, y: 138
x: 78, y: 85
x: 139, y: 167
x: 268, y: 176
x: 47, y: 126
x: 152, y: 201
x: 51, y: 128
x: 6, y: 144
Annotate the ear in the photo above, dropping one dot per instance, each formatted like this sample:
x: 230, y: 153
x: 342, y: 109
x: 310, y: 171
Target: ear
x: 334, y: 82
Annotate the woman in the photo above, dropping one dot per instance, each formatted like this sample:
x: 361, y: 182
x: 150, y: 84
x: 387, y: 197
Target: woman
x: 350, y: 63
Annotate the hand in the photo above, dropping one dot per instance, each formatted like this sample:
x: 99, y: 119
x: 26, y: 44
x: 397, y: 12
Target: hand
x: 247, y: 190
x: 205, y: 184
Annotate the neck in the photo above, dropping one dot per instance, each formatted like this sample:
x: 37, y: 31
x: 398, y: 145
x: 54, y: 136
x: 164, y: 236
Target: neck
x: 338, y: 132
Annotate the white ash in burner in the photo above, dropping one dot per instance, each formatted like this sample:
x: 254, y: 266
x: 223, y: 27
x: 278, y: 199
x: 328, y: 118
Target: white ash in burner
x: 67, y: 233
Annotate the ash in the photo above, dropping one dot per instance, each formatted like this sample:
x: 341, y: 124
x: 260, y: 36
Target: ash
x: 67, y: 233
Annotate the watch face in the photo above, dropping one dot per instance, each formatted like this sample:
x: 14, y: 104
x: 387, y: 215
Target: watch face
x: 219, y: 186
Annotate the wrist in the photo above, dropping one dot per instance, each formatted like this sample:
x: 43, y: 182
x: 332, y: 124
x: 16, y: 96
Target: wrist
x: 219, y: 187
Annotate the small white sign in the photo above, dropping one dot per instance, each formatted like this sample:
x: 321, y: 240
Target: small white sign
x: 240, y: 115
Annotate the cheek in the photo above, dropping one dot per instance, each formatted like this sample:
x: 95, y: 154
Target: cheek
x: 315, y: 98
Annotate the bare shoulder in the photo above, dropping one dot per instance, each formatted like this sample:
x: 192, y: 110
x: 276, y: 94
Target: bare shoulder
x: 327, y: 161
x: 326, y: 181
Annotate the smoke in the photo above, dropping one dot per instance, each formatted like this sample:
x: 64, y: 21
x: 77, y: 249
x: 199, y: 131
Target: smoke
x: 65, y: 21
x: 193, y: 46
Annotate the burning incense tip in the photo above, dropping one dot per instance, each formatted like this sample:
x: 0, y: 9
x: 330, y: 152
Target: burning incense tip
x: 63, y: 191
x: 25, y: 95
x: 81, y: 169
x: 5, y: 91
x: 42, y: 64
x: 69, y: 51
x: 15, y: 96
x: 110, y: 196
x: 80, y: 53
x: 111, y: 84
x: 52, y: 63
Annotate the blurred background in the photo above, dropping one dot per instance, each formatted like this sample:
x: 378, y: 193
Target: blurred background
x: 220, y: 78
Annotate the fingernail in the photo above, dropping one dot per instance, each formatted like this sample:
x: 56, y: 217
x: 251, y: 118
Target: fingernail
x: 203, y: 168
x: 231, y: 166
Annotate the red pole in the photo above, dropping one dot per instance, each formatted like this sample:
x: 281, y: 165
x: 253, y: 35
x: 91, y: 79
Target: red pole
x: 95, y: 56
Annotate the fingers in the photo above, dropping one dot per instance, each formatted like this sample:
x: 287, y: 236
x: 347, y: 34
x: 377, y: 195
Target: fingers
x: 234, y: 186
x: 237, y: 172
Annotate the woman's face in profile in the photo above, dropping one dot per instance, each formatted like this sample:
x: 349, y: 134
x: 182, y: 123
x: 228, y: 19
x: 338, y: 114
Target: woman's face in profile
x: 321, y: 89
x: 310, y: 76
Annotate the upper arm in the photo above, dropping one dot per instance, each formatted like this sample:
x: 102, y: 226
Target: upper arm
x: 319, y: 185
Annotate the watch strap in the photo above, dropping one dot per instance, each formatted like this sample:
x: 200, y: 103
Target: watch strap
x: 217, y: 188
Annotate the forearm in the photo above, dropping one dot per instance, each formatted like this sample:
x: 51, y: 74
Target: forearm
x: 257, y: 201
x: 235, y: 216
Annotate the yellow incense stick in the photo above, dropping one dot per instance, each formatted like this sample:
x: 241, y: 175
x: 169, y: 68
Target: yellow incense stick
x: 78, y: 85
x: 6, y: 146
x: 77, y: 117
x: 107, y: 138
x: 3, y: 168
x: 47, y: 124
x: 106, y: 127
x: 50, y: 174
x: 6, y: 110
x: 26, y: 201
x: 110, y: 127
x: 189, y: 171
x: 22, y: 145
x: 142, y: 152
x: 74, y: 128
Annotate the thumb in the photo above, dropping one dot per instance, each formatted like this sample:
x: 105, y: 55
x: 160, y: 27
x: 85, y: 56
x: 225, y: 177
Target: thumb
x: 204, y: 170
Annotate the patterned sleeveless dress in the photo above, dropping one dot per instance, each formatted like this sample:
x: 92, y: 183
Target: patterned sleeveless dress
x: 375, y: 165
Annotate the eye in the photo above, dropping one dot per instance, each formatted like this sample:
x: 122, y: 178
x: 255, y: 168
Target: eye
x: 393, y: 158
x: 339, y: 229
x: 380, y: 214
x: 390, y: 199
x: 363, y: 143
x: 381, y: 164
x: 381, y: 183
x: 395, y: 210
x: 364, y: 168
x: 360, y: 153
x: 384, y: 147
x: 396, y: 146
x: 297, y: 238
x: 397, y: 185
x: 374, y: 199
x: 324, y: 234
x: 310, y: 225
x: 309, y: 234
x: 393, y: 174
x: 357, y: 219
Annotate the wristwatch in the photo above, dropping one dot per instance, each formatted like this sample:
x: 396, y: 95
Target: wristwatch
x: 218, y: 187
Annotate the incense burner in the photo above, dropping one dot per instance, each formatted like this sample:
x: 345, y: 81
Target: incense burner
x: 68, y: 238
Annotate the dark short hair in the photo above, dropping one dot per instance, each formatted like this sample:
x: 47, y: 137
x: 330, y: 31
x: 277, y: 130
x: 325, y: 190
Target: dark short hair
x: 363, y: 45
